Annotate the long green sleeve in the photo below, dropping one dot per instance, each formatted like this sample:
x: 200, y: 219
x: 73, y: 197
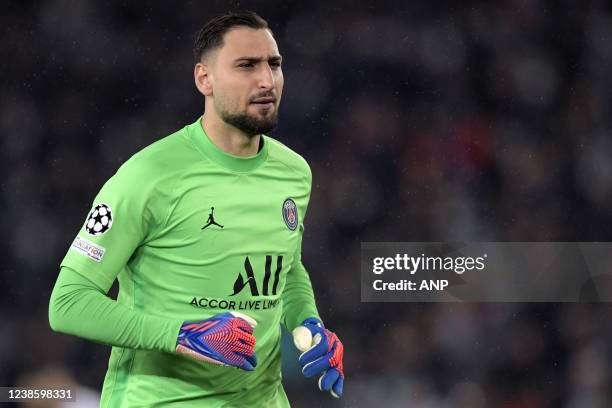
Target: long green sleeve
x: 81, y: 308
x: 298, y: 297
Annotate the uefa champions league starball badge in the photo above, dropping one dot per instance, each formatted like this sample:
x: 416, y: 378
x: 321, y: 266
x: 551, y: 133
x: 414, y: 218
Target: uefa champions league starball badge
x: 290, y: 214
x: 100, y: 220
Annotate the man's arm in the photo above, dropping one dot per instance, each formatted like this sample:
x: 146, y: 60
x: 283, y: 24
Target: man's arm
x: 298, y: 296
x: 122, y: 216
x: 127, y: 211
x: 322, y: 351
x: 81, y: 308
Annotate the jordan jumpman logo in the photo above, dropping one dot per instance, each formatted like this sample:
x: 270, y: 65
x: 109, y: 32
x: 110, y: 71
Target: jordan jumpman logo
x: 211, y: 219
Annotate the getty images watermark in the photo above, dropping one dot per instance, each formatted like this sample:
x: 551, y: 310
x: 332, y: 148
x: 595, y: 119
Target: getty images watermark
x: 413, y: 264
x: 486, y: 272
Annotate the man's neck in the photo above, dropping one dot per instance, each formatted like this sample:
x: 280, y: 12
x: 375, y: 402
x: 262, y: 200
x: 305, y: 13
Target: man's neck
x: 229, y: 139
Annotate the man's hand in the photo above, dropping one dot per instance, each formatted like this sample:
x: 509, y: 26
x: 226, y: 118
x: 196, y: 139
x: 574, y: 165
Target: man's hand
x: 225, y: 339
x: 322, y: 353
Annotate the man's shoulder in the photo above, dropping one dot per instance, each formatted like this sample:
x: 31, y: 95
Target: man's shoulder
x: 164, y: 157
x: 282, y: 153
x: 169, y: 150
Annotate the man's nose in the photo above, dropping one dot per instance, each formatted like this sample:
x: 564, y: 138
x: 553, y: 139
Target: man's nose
x: 266, y: 77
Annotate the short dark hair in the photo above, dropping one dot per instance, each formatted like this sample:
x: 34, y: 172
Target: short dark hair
x: 211, y: 35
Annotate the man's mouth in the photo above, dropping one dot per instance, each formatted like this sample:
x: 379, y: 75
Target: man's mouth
x: 267, y: 102
x: 264, y: 101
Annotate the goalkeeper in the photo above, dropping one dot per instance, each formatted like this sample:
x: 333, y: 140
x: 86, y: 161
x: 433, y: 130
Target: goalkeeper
x: 203, y: 230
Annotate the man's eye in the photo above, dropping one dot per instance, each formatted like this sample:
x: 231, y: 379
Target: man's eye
x: 246, y: 65
x: 275, y: 64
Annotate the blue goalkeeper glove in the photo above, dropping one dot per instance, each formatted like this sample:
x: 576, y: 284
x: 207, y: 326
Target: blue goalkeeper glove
x: 322, y: 354
x: 225, y: 339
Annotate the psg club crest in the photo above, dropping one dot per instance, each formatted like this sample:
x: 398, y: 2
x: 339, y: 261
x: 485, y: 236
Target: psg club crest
x: 100, y: 220
x: 290, y: 214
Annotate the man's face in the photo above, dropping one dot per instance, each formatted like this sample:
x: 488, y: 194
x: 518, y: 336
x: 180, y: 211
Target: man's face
x: 247, y: 80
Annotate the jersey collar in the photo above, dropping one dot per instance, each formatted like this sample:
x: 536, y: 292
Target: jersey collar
x: 229, y: 161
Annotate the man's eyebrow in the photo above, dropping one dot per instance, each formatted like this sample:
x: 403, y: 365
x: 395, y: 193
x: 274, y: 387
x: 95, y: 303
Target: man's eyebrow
x: 271, y: 58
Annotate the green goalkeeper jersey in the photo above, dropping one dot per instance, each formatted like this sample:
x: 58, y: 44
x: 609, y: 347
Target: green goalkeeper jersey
x: 190, y: 231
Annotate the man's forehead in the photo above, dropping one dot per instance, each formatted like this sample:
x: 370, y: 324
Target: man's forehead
x: 247, y: 42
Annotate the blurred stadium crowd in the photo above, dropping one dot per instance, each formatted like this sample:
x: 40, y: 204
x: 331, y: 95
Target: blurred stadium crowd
x: 422, y: 121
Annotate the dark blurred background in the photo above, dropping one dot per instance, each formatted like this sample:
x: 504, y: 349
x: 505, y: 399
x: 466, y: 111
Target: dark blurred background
x: 422, y: 120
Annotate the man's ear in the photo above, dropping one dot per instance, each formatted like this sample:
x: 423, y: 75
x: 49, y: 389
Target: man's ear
x: 203, y: 79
